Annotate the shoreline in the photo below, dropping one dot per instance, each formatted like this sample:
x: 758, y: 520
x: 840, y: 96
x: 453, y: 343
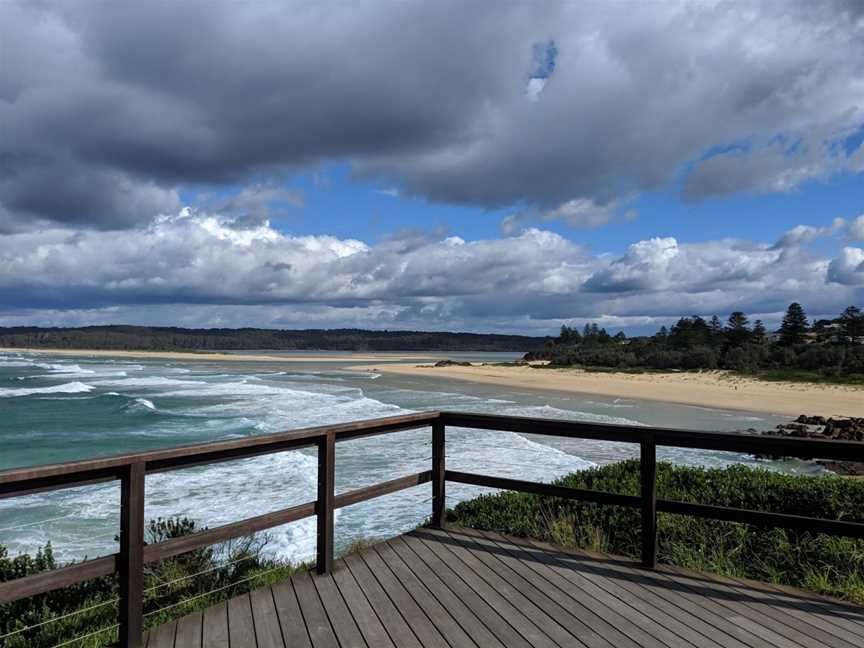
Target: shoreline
x: 394, y: 356
x: 714, y: 389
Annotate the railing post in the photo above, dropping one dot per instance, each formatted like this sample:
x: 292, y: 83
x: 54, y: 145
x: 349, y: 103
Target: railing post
x: 439, y: 494
x: 324, y: 505
x: 131, y: 558
x: 648, y: 470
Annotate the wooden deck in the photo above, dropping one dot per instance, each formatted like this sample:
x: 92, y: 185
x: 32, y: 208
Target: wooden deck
x: 461, y: 588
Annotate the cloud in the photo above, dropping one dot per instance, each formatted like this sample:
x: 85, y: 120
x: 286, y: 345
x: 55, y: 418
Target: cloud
x: 848, y: 268
x: 207, y: 269
x: 804, y: 234
x: 110, y: 110
x: 856, y: 229
x: 582, y: 213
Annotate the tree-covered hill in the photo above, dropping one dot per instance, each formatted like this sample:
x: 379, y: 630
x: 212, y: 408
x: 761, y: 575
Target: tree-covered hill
x: 149, y: 338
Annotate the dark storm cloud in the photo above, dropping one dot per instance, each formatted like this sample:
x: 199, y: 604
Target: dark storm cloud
x: 109, y: 109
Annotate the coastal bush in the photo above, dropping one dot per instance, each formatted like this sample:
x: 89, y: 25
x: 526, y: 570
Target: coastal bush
x: 829, y: 351
x: 173, y: 588
x: 816, y: 562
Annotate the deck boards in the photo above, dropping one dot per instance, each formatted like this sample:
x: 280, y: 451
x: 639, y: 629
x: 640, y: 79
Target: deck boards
x: 468, y: 589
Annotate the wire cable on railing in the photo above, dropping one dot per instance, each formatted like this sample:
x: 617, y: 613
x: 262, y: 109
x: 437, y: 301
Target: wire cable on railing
x: 83, y: 637
x: 200, y: 573
x: 521, y: 466
x: 58, y: 618
x: 213, y: 591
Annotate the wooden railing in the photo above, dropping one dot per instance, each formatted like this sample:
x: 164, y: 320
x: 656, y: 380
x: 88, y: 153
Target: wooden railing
x: 131, y: 470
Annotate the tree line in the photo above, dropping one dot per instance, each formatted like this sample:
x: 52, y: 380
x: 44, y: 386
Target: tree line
x: 829, y: 346
x: 152, y: 338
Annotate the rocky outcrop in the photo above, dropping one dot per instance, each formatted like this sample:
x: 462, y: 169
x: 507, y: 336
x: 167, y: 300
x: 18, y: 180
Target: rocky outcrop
x: 452, y: 363
x: 819, y: 427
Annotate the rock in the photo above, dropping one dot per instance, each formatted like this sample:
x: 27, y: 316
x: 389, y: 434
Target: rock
x: 819, y: 427
x: 452, y: 363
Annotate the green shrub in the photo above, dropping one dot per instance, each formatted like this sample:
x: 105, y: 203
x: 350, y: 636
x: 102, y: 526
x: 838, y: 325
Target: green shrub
x: 817, y: 562
x: 173, y: 588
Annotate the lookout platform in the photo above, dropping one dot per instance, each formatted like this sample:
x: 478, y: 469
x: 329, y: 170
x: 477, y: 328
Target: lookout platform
x: 460, y: 588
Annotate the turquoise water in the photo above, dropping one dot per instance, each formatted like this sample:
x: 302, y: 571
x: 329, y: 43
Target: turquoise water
x: 59, y: 408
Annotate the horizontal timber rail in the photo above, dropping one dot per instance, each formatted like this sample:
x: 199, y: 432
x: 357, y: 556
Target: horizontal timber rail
x: 131, y: 469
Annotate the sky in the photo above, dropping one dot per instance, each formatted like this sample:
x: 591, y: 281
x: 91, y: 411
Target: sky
x: 498, y: 167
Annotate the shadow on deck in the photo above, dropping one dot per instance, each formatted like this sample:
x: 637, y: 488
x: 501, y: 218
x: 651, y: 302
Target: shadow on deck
x: 463, y: 588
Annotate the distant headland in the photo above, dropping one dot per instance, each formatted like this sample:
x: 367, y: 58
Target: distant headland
x: 158, y: 338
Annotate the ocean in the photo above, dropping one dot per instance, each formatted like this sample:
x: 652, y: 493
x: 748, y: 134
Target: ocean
x: 60, y: 408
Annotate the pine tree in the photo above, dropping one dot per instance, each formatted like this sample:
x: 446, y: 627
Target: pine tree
x: 716, y: 329
x: 852, y: 324
x: 794, y: 326
x: 737, y: 331
x: 759, y: 335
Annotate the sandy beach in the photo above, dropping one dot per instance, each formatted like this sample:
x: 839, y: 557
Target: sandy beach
x: 707, y: 389
x: 230, y: 357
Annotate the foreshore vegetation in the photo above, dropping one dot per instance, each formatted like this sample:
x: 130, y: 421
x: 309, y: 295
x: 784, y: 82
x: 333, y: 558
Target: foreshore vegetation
x: 829, y: 350
x: 172, y: 588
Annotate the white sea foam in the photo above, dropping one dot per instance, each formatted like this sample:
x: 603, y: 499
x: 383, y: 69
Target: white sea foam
x: 547, y: 411
x: 147, y: 381
x: 66, y: 388
x: 140, y: 405
x: 233, y: 405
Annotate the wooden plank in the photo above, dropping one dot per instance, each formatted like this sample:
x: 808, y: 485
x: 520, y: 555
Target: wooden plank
x: 500, y: 593
x: 648, y: 493
x: 674, y: 619
x: 324, y: 505
x: 346, y: 629
x: 808, y: 627
x: 189, y: 633
x: 424, y: 628
x: 163, y: 636
x: 383, y: 488
x: 764, y: 518
x: 674, y: 437
x: 636, y: 626
x: 701, y: 600
x: 439, y: 481
x: 522, y: 595
x: 130, y: 563
x: 656, y: 587
x: 215, y: 626
x: 481, y: 622
x: 537, y: 488
x: 267, y: 630
x: 440, y: 615
x: 42, y: 582
x: 63, y: 577
x: 581, y: 620
x: 384, y: 608
x: 317, y: 623
x: 290, y: 618
x: 501, y: 617
x: 14, y: 480
x: 646, y: 618
x: 835, y: 614
x: 364, y: 615
x: 241, y: 627
x: 249, y: 526
x: 725, y: 598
